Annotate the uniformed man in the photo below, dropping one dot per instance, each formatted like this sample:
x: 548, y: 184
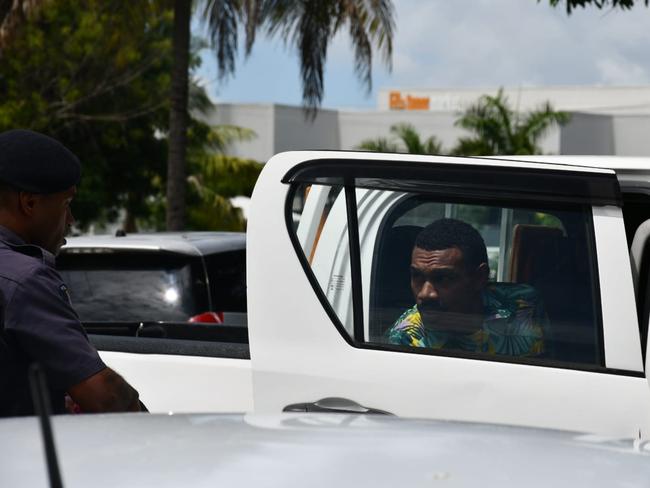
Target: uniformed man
x: 38, y: 178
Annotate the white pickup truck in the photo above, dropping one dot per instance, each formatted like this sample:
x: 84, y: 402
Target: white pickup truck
x: 328, y: 252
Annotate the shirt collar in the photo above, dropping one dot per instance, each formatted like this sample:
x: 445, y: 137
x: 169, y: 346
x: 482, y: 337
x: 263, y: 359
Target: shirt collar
x: 10, y: 236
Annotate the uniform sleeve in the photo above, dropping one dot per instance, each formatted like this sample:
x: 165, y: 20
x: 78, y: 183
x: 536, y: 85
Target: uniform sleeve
x: 47, y: 328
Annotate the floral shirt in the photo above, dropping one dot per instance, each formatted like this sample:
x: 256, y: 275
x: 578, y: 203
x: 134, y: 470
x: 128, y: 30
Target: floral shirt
x: 513, y: 325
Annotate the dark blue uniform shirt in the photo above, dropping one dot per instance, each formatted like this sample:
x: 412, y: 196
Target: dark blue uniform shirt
x: 38, y: 324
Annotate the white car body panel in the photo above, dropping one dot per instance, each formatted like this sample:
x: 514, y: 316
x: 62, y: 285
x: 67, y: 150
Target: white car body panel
x: 620, y: 322
x: 299, y: 356
x: 169, y: 383
x: 315, y: 450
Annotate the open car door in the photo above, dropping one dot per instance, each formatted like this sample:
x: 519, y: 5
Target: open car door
x: 332, y: 290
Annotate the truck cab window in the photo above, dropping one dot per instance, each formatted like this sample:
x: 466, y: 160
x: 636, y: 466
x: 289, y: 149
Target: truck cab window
x: 320, y: 223
x: 453, y: 276
x: 488, y: 278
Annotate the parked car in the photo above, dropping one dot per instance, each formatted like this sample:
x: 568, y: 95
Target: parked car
x: 157, y: 277
x: 314, y: 450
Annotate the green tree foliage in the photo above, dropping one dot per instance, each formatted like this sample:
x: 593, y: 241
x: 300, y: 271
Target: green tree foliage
x: 307, y: 25
x: 497, y: 129
x: 218, y: 179
x: 572, y: 4
x: 404, y: 138
x: 215, y: 178
x: 95, y: 76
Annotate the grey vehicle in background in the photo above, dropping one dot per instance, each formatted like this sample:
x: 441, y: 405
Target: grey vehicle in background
x: 157, y: 277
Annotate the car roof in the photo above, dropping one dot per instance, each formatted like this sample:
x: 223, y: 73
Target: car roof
x: 315, y: 450
x: 189, y: 243
x: 633, y: 172
x: 616, y: 163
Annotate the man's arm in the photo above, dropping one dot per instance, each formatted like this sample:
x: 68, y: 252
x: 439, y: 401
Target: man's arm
x: 49, y: 331
x: 105, y: 391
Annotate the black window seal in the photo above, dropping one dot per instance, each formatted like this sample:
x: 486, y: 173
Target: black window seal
x: 355, y: 260
x: 639, y: 194
x: 538, y: 362
x: 172, y: 347
x: 596, y: 291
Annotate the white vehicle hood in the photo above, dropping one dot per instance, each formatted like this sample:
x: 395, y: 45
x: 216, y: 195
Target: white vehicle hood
x: 312, y: 450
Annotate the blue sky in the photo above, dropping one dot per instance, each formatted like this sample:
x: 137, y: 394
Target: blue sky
x: 458, y: 43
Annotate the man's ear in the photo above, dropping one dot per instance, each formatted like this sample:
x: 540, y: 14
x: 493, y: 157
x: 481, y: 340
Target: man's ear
x: 482, y: 274
x: 27, y: 202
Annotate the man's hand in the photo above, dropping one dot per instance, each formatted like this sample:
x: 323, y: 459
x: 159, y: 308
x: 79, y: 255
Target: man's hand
x: 105, y: 391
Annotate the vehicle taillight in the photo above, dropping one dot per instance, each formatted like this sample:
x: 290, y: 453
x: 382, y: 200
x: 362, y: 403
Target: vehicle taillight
x: 208, y: 317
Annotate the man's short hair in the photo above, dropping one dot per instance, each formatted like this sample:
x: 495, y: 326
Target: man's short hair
x: 448, y: 233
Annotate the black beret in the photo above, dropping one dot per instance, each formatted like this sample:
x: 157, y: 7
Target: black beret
x: 36, y: 163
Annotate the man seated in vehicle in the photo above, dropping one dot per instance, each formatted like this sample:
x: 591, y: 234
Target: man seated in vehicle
x: 456, y: 308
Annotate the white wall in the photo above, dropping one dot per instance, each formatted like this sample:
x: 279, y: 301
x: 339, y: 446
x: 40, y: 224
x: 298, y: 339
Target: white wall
x: 294, y: 131
x: 284, y: 128
x: 592, y: 99
x: 632, y: 135
x: 257, y: 117
x: 588, y: 134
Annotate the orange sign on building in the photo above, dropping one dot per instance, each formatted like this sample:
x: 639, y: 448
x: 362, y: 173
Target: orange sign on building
x: 398, y: 102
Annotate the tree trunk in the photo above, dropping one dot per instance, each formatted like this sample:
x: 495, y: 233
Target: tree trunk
x: 178, y: 117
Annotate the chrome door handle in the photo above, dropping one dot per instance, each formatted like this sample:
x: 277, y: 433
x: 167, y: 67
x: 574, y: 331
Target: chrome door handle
x: 334, y: 405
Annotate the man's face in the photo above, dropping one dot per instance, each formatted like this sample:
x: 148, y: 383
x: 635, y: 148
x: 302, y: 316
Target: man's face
x: 448, y: 295
x: 51, y: 219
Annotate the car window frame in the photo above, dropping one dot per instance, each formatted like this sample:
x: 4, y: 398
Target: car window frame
x: 590, y: 196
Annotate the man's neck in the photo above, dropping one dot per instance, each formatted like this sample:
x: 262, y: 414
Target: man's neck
x: 14, y: 227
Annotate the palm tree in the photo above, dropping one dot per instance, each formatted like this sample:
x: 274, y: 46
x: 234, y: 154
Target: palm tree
x: 497, y: 129
x: 309, y: 25
x: 405, y: 138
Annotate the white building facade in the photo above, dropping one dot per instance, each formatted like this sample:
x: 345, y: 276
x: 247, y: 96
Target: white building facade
x: 604, y: 120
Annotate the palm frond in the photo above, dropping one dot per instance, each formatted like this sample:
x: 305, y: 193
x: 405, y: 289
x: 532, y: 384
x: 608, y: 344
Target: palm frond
x: 310, y: 25
x: 361, y: 44
x: 537, y: 123
x: 432, y: 146
x: 251, y: 11
x: 497, y: 129
x: 312, y: 37
x: 221, y: 136
x: 407, y: 134
x: 226, y: 175
x: 222, y: 18
x: 198, y: 99
x: 381, y: 27
x: 572, y: 4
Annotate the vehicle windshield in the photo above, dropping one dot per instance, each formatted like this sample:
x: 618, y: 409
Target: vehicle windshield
x: 133, y: 287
